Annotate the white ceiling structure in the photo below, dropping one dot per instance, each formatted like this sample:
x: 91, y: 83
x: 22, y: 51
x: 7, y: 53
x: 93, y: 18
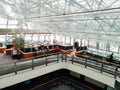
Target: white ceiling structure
x: 97, y: 20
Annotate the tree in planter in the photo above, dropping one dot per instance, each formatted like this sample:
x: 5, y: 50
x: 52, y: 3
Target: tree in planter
x: 19, y: 43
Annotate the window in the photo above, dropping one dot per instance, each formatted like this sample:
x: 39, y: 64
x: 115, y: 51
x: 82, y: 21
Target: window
x: 113, y: 48
x: 92, y: 44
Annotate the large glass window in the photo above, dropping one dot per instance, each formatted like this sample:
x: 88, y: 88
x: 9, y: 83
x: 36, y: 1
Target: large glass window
x: 102, y: 46
x: 28, y: 38
x: 47, y: 37
x: 3, y: 23
x: 71, y: 41
x: 67, y: 40
x: 92, y: 44
x: 113, y: 48
x: 2, y: 40
x: 62, y: 39
x: 35, y: 38
x: 84, y: 42
x: 51, y: 38
x: 42, y: 37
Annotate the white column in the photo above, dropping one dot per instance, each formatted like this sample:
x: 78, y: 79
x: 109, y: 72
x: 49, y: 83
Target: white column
x: 81, y: 42
x: 65, y: 40
x: 70, y: 40
x: 44, y: 37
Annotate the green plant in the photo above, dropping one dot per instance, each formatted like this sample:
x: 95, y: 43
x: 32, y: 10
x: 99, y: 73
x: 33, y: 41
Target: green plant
x: 116, y: 61
x: 18, y: 42
x: 104, y: 59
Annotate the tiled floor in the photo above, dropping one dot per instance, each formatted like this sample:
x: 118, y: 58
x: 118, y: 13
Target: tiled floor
x: 5, y: 58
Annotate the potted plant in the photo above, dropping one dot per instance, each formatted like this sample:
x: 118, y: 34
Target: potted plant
x: 18, y: 42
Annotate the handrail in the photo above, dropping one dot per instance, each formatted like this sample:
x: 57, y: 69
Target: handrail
x: 65, y: 58
x: 38, y: 56
x: 99, y: 60
x: 13, y: 61
x: 115, y: 72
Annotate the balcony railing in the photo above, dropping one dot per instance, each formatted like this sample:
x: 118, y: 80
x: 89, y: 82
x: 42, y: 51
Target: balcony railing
x: 23, y: 64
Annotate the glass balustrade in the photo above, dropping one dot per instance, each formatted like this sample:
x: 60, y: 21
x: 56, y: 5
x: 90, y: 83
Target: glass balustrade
x: 16, y: 66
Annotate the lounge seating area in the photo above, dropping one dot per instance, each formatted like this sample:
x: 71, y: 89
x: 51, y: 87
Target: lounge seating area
x: 97, y: 58
x: 47, y: 50
x: 43, y: 51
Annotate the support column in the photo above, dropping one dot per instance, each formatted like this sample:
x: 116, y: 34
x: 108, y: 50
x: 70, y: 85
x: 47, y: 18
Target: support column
x: 32, y: 37
x: 44, y: 37
x: 119, y: 49
x: 88, y: 44
x: 6, y: 39
x: 117, y: 86
x: 81, y: 42
x: 108, y: 47
x: 97, y: 45
x: 110, y: 88
x: 61, y: 39
x: 7, y: 24
x: 65, y: 40
x: 82, y: 77
x: 38, y: 38
x: 55, y: 36
x: 49, y: 37
x: 73, y: 42
x: 70, y: 40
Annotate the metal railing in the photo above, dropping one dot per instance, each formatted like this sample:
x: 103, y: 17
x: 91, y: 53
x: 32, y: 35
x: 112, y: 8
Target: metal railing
x: 101, y: 66
x: 18, y: 65
x: 23, y: 64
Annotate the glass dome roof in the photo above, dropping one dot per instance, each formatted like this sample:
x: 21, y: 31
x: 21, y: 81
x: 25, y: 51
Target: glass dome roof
x: 97, y: 20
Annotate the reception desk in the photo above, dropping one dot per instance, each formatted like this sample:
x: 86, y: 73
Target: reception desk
x: 8, y: 51
x: 27, y: 55
x: 2, y: 49
x: 63, y: 47
x: 44, y: 50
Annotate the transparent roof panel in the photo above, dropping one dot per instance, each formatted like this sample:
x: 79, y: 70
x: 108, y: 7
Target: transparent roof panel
x: 97, y: 20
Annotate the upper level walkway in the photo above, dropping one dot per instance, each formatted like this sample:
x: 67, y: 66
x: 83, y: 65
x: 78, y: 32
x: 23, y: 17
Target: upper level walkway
x: 21, y: 70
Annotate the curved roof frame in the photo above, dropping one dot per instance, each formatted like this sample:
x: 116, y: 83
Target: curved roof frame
x: 98, y: 20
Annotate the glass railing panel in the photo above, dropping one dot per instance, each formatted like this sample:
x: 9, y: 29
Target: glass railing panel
x: 39, y: 61
x: 109, y: 69
x: 23, y: 65
x: 94, y: 64
x: 79, y: 60
x: 16, y: 66
x: 6, y: 68
x: 116, y: 56
x: 52, y: 58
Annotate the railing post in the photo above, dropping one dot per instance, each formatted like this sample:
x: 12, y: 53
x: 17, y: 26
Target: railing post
x: 85, y: 63
x: 46, y: 61
x: 101, y: 68
x: 62, y: 57
x: 15, y: 67
x: 72, y: 59
x: 65, y: 57
x: 32, y: 64
x: 57, y: 58
x: 116, y: 69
